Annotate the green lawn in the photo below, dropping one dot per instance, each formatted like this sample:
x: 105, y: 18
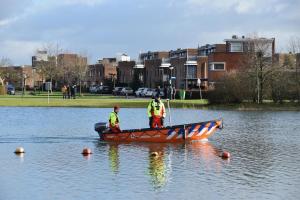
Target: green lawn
x: 105, y: 101
x: 90, y: 101
x: 57, y: 95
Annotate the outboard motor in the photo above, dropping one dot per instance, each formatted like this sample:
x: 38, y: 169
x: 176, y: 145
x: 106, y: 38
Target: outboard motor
x: 101, y: 127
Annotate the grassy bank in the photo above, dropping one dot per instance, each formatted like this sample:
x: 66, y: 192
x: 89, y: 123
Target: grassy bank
x: 103, y: 102
x: 97, y: 101
x: 270, y: 106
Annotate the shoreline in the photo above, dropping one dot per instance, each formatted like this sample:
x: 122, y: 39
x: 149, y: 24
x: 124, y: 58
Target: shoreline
x: 109, y: 102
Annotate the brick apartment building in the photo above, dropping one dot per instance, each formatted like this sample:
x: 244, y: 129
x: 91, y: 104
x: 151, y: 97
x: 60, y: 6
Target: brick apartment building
x: 67, y: 62
x: 227, y: 57
x: 20, y: 76
x: 70, y: 63
x: 103, y: 70
x: 184, y: 66
x: 125, y: 72
x: 155, y: 65
x: 70, y: 60
x: 208, y: 63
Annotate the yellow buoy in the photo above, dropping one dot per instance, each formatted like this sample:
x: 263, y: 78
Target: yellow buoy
x: 19, y: 150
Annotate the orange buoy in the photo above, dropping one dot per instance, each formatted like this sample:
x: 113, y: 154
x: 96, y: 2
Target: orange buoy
x: 86, y: 151
x: 225, y: 155
x: 19, y: 150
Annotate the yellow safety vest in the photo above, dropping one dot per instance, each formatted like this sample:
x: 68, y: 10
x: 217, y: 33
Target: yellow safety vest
x: 156, y: 109
x: 113, y: 119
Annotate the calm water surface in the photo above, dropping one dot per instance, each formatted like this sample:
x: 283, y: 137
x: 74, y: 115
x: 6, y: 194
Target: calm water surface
x: 265, y: 163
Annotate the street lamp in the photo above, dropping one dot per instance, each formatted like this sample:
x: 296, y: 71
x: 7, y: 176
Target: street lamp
x: 199, y: 84
x: 33, y: 76
x: 24, y: 76
x: 171, y: 70
x: 171, y: 91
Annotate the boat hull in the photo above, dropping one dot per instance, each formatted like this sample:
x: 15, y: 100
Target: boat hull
x: 172, y: 134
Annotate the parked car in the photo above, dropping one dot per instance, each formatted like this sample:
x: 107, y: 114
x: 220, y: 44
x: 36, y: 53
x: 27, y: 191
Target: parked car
x: 149, y: 92
x: 162, y: 94
x: 10, y: 90
x: 127, y: 91
x: 117, y: 91
x: 93, y: 89
x: 104, y: 90
x: 144, y: 91
x: 139, y: 91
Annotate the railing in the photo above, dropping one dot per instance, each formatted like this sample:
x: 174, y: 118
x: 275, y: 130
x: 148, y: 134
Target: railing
x: 192, y: 58
x: 139, y: 64
x: 165, y: 60
x: 165, y: 63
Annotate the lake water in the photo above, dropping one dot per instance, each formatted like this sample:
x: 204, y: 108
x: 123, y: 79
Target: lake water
x: 265, y: 162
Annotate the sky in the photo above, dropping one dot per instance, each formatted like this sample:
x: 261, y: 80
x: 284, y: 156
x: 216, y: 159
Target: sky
x: 104, y: 28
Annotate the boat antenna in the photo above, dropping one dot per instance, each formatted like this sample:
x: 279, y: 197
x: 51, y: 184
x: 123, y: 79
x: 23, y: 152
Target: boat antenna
x: 170, y: 118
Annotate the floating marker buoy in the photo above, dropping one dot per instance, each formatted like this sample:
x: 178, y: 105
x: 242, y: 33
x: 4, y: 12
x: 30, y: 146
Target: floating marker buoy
x: 154, y: 154
x: 225, y: 155
x: 19, y: 150
x: 86, y: 151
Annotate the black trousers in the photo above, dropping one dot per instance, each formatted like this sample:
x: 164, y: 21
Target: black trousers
x: 150, y: 121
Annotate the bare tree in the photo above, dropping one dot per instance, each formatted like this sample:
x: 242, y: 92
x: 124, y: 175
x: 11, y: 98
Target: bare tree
x: 294, y: 45
x: 67, y: 67
x: 4, y: 62
x: 259, y: 64
x: 73, y: 68
x: 48, y: 68
x: 80, y: 70
x: 294, y: 48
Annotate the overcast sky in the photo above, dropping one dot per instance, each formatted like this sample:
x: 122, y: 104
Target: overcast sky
x: 103, y: 28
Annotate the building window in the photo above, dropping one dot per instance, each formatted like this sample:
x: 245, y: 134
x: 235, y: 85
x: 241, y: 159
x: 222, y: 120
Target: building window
x: 217, y: 67
x: 191, y: 71
x: 236, y: 47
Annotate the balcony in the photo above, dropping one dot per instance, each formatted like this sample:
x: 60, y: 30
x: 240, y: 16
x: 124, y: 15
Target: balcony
x: 139, y: 65
x: 191, y: 62
x: 165, y: 63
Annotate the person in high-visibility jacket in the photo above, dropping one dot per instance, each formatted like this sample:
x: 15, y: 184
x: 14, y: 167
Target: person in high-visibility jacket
x: 156, y: 113
x: 114, y: 121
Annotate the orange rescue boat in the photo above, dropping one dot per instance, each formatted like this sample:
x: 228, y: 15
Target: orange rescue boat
x: 170, y: 134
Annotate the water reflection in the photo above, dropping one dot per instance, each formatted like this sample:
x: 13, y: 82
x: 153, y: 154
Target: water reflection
x: 113, y: 155
x: 87, y: 157
x: 206, y: 154
x: 20, y: 156
x: 264, y: 164
x: 157, y: 166
x: 199, y: 155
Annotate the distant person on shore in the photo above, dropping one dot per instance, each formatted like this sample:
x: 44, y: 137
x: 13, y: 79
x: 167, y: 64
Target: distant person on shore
x: 158, y: 91
x: 170, y: 92
x: 174, y: 92
x: 114, y: 120
x: 165, y: 92
x: 156, y: 113
x: 73, y: 91
x: 64, y: 91
x: 69, y: 91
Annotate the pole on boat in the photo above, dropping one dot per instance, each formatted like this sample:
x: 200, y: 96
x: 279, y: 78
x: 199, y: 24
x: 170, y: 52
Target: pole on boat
x: 170, y: 118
